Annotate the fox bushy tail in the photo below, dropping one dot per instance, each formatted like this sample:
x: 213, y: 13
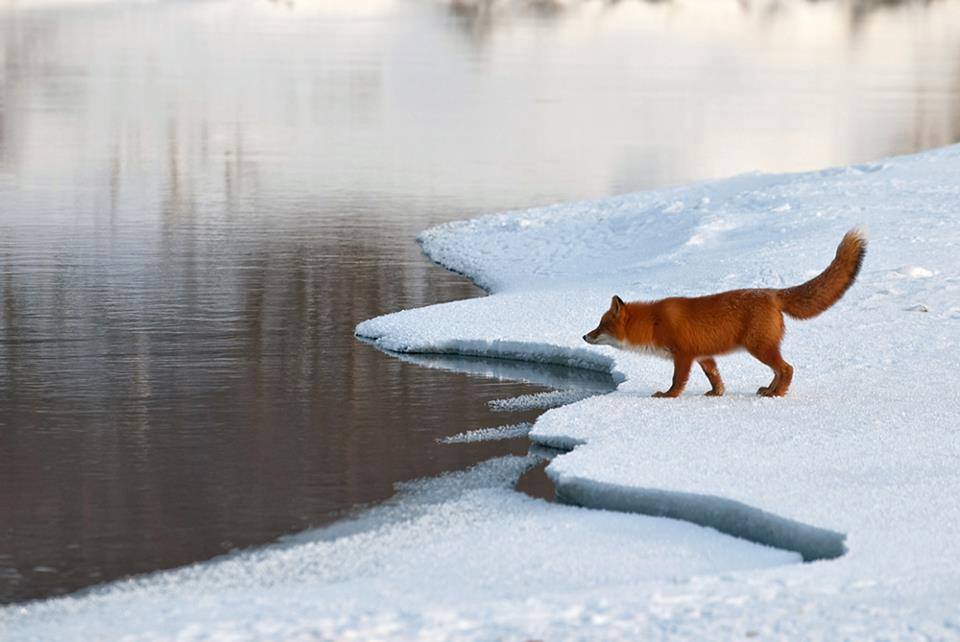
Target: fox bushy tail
x: 809, y: 299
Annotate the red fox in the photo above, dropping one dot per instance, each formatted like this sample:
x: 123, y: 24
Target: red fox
x: 699, y: 328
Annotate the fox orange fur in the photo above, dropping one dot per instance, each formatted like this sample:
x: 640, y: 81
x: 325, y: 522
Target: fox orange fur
x: 700, y: 328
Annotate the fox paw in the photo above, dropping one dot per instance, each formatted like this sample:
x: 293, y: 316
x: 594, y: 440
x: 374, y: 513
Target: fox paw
x: 771, y: 392
x: 660, y: 395
x: 714, y: 393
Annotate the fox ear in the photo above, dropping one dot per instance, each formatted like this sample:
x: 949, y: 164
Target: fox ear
x: 616, y: 304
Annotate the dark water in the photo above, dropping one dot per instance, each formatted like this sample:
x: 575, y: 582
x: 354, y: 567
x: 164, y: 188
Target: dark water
x: 199, y: 200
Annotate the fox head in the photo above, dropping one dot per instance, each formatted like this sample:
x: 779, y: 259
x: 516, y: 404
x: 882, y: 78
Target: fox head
x: 611, y: 330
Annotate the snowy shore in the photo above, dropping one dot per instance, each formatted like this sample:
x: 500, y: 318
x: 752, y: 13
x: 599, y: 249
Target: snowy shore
x: 866, y: 445
x: 864, y: 453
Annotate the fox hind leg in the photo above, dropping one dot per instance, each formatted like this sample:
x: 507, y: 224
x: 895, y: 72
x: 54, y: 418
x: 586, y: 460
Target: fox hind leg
x: 709, y: 367
x: 786, y: 377
x: 782, y: 371
x: 763, y: 342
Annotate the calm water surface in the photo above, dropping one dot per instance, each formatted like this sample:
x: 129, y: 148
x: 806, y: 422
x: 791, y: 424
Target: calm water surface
x: 199, y: 200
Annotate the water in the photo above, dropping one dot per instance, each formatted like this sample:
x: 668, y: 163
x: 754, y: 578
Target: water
x: 199, y: 200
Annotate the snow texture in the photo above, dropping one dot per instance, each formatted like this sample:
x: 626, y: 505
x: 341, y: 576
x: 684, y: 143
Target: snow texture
x: 862, y: 458
x: 866, y: 447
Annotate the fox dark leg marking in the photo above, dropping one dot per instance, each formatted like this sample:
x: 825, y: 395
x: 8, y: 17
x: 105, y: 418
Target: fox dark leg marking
x: 709, y: 367
x: 681, y: 371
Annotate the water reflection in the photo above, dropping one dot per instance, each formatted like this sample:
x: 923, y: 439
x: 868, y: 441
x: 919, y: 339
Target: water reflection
x: 190, y: 228
x: 482, y: 17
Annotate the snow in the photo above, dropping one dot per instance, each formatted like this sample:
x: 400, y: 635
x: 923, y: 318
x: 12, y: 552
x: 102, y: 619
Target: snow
x: 457, y: 557
x: 915, y: 272
x: 858, y: 467
x: 863, y: 456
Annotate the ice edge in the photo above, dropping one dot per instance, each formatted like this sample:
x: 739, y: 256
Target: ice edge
x: 523, y: 351
x: 727, y: 516
x: 722, y: 514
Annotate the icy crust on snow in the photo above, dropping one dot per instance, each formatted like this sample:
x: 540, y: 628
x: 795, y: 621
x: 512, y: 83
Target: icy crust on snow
x: 448, y: 558
x: 867, y: 445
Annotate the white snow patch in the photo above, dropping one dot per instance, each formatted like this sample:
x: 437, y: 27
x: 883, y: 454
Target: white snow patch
x: 709, y: 231
x: 915, y: 272
x: 674, y: 208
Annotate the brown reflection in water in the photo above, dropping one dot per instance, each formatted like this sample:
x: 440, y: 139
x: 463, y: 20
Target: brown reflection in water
x: 191, y: 227
x: 193, y: 407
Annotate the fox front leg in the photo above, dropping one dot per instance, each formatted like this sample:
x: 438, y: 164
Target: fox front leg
x: 713, y: 374
x: 681, y: 370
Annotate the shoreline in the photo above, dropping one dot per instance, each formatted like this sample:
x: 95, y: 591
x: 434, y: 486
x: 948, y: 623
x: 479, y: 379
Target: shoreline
x: 821, y: 457
x: 860, y: 447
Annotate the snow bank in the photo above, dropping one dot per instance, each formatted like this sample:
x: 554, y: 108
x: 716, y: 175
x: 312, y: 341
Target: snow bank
x: 867, y: 444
